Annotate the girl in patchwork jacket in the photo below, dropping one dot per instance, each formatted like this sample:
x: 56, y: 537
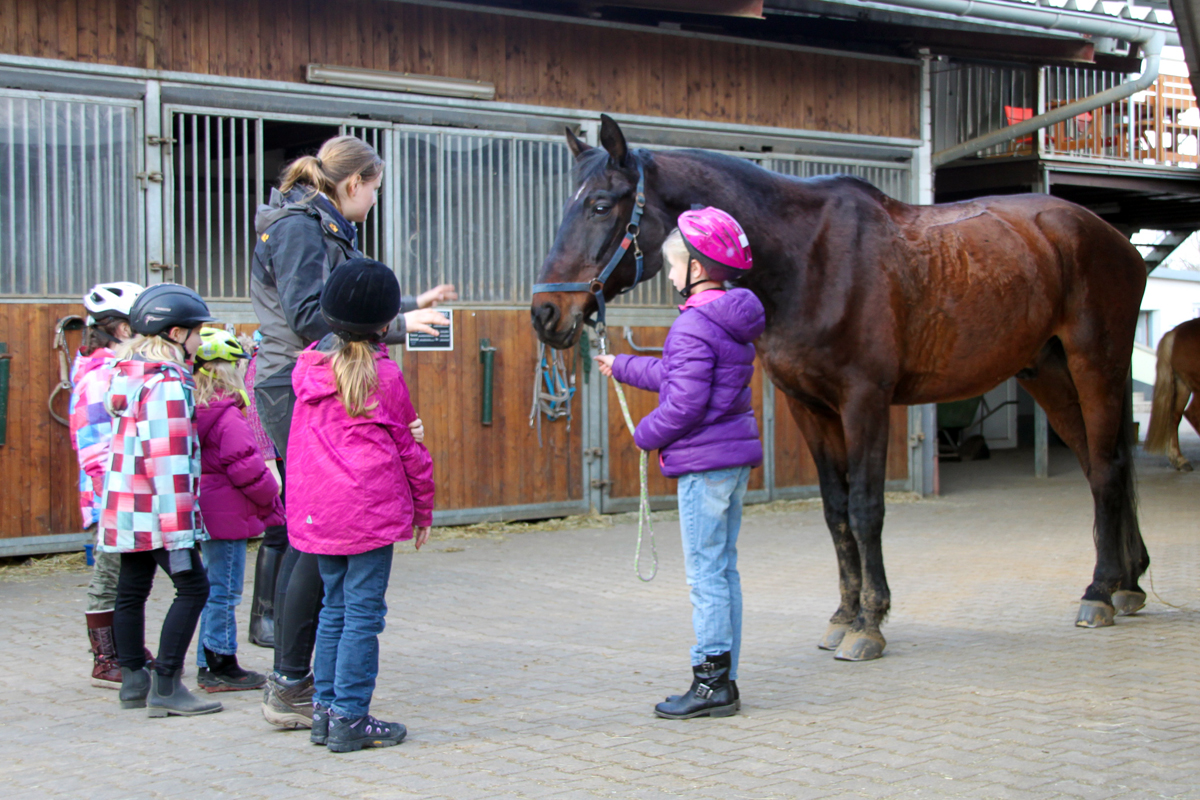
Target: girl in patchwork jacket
x: 239, y: 498
x: 108, y: 307
x: 357, y: 483
x: 150, y: 513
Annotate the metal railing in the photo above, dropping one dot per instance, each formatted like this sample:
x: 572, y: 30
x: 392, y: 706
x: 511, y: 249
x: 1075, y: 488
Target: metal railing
x: 70, y: 204
x: 1156, y: 127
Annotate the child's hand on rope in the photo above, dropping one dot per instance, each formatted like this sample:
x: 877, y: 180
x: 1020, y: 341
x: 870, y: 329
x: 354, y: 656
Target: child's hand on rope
x: 421, y: 535
x: 605, y: 364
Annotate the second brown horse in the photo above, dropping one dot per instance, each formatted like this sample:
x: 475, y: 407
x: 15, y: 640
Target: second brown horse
x: 872, y: 302
x: 1176, y: 381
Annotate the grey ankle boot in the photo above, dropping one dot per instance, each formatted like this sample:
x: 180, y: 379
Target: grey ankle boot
x: 135, y: 685
x: 168, y: 695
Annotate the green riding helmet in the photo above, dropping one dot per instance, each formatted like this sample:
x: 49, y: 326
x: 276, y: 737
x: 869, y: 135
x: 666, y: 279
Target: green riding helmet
x: 219, y: 345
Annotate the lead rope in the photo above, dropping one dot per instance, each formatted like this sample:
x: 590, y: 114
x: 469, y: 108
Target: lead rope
x: 643, y: 474
x: 64, y: 363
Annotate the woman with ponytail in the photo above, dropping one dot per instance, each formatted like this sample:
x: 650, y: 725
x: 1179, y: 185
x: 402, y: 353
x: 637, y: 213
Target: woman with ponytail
x: 358, y: 483
x: 305, y: 232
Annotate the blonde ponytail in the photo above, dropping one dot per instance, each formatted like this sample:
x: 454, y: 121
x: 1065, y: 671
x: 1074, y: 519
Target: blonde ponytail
x: 151, y: 348
x: 356, y: 377
x: 339, y: 158
x: 215, y: 379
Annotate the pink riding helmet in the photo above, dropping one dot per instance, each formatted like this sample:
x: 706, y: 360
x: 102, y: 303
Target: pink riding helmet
x: 717, y: 241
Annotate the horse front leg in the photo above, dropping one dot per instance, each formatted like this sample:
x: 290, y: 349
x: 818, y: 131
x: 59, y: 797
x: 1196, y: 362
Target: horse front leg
x: 866, y: 426
x: 827, y: 443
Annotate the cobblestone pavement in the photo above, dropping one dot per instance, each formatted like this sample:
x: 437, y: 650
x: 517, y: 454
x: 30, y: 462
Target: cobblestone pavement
x: 528, y: 667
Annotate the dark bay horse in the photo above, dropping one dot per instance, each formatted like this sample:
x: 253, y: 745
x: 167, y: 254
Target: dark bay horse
x: 1176, y: 381
x: 870, y: 303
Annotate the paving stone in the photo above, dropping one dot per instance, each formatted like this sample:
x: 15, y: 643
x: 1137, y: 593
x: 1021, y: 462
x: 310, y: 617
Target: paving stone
x: 528, y: 668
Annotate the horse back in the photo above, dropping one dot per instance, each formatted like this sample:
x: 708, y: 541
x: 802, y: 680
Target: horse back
x: 991, y: 280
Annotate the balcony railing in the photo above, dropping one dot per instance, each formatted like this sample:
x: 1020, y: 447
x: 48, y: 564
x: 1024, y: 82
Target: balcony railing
x: 1159, y: 126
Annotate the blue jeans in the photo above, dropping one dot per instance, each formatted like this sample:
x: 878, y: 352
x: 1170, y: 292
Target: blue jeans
x: 710, y: 516
x: 346, y: 658
x: 225, y: 563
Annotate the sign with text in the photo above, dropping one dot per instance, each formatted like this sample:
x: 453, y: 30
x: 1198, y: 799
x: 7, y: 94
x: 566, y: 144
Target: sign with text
x: 443, y: 341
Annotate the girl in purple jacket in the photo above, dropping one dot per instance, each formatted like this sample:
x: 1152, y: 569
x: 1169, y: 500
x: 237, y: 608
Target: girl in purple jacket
x: 707, y: 437
x: 239, y: 498
x: 357, y: 483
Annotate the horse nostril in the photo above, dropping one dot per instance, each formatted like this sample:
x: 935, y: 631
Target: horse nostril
x: 547, y: 315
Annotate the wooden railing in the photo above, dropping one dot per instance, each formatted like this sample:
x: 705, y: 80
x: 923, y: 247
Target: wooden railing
x: 1159, y: 126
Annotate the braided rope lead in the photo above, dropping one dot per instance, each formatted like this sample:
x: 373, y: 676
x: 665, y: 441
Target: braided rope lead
x: 644, y: 498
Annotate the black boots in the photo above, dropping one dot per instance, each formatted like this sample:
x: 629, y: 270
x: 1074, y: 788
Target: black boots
x: 262, y: 606
x: 168, y: 695
x: 712, y: 694
x: 135, y: 685
x: 224, y: 674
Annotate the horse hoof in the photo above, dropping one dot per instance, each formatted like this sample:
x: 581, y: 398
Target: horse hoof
x: 1127, y: 603
x: 1094, y: 614
x: 834, y: 635
x: 1185, y: 466
x: 860, y: 646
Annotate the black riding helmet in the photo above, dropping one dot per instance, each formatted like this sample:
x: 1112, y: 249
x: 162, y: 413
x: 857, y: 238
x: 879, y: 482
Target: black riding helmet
x: 360, y: 297
x: 165, y: 306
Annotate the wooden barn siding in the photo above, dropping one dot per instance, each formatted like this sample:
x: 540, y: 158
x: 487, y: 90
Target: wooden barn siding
x: 474, y: 466
x: 38, y: 468
x: 530, y: 61
x: 478, y: 466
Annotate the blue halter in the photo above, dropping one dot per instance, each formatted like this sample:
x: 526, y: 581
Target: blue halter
x: 596, y: 286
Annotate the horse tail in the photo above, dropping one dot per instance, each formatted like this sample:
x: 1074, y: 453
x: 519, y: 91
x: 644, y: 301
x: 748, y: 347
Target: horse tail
x: 1162, y: 411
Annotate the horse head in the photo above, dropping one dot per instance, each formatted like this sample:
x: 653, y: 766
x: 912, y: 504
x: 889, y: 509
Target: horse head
x: 599, y: 220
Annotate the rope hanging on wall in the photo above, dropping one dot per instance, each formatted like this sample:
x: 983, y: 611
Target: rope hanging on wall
x: 553, y: 388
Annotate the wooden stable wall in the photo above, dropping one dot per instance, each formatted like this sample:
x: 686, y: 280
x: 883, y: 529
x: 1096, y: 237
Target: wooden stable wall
x: 477, y: 466
x: 535, y: 61
x: 39, y: 477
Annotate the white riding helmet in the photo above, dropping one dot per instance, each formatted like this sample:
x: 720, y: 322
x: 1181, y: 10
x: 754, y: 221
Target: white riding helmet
x: 110, y: 300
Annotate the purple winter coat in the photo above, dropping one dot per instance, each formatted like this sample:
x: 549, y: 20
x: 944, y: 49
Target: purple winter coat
x: 239, y: 497
x: 704, y: 418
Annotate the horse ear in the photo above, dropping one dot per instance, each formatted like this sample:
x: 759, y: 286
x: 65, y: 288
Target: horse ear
x: 613, y: 140
x: 577, y: 145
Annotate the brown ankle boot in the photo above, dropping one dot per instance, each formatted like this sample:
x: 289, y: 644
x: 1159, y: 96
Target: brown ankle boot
x: 106, y: 672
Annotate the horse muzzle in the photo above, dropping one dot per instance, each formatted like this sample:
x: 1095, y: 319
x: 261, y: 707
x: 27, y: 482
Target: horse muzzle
x: 554, y: 327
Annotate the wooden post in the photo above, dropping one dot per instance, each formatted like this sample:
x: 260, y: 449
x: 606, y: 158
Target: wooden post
x: 1041, y: 443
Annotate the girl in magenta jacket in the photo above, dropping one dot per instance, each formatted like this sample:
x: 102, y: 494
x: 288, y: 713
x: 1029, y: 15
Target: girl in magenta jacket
x: 238, y: 499
x: 357, y: 483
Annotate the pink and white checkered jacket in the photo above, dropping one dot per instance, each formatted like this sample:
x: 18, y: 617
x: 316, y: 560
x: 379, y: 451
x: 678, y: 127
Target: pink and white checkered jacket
x: 152, y: 485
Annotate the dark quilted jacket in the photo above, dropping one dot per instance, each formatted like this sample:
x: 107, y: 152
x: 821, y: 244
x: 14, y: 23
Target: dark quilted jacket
x: 704, y: 418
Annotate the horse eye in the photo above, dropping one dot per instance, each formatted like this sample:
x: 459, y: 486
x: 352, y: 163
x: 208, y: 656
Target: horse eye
x: 600, y: 209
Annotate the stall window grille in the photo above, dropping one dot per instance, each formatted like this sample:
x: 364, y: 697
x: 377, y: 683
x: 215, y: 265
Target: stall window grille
x: 477, y: 209
x: 70, y: 203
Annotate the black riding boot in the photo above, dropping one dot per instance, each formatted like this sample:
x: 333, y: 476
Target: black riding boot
x: 262, y: 606
x: 712, y: 693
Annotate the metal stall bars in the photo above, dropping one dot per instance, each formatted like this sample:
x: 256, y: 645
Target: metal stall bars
x: 214, y: 182
x: 70, y: 205
x: 476, y: 209
x: 970, y: 100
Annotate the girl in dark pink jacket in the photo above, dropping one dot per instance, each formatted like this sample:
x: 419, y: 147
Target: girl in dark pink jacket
x: 357, y: 483
x: 238, y: 499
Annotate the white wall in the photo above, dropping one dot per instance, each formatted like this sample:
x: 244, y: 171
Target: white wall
x: 1172, y: 297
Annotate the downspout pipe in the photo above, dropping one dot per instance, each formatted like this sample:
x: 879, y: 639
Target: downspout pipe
x: 1034, y: 16
x: 1152, y: 50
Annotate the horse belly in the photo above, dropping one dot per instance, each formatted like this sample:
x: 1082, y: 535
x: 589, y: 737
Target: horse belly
x: 989, y: 307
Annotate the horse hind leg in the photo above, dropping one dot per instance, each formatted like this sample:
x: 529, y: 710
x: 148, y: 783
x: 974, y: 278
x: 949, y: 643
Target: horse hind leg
x: 1182, y: 409
x: 1050, y: 382
x: 1121, y: 555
